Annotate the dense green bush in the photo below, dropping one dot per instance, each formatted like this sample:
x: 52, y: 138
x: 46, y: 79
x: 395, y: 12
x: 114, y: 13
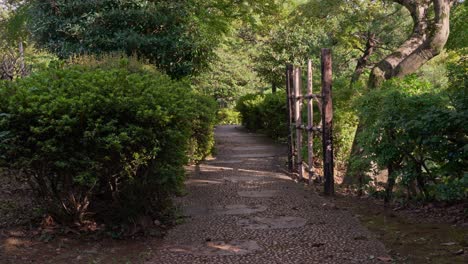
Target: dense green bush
x: 107, y: 143
x: 265, y: 112
x: 227, y: 116
x: 418, y: 132
x: 250, y: 110
x: 274, y: 115
x: 268, y: 113
x: 202, y: 120
x: 168, y: 33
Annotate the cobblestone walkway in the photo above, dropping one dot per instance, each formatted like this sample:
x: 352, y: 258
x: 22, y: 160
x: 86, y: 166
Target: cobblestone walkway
x: 240, y: 208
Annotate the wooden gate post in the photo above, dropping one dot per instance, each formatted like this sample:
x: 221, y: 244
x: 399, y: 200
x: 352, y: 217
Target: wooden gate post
x: 298, y: 119
x: 327, y: 122
x: 289, y: 85
x: 310, y: 122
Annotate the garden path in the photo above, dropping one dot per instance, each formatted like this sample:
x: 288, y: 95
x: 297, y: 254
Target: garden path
x: 241, y: 208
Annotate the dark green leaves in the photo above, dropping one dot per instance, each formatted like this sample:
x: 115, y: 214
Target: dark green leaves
x: 88, y: 131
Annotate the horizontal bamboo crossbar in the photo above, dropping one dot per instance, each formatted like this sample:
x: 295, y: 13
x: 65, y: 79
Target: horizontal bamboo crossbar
x: 308, y: 128
x: 308, y: 96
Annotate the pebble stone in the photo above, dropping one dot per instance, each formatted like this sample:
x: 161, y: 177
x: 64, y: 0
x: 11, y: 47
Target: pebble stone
x: 248, y: 211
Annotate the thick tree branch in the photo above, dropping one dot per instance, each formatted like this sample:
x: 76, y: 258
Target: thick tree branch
x: 385, y: 68
x: 433, y: 45
x: 428, y: 38
x: 363, y: 61
x: 426, y: 41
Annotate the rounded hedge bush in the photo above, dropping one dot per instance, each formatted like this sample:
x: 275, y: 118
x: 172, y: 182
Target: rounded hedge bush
x: 265, y: 112
x: 107, y: 143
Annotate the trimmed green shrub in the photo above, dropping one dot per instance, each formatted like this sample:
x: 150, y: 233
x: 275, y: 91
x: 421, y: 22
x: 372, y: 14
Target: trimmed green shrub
x: 274, y: 115
x: 265, y: 112
x: 420, y: 132
x: 250, y: 111
x: 202, y: 121
x: 227, y: 116
x: 268, y: 113
x: 105, y: 143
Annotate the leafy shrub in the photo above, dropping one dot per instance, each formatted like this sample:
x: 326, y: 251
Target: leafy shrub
x: 202, y: 121
x: 451, y: 189
x: 227, y: 116
x: 109, y: 61
x: 417, y: 131
x: 264, y: 112
x: 268, y: 113
x: 108, y: 143
x: 274, y: 115
x: 168, y: 33
x: 250, y: 111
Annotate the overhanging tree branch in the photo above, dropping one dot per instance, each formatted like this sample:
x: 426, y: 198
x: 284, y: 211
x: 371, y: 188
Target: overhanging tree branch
x: 427, y: 39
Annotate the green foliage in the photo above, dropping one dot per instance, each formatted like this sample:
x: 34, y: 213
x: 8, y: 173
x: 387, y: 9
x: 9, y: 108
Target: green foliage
x: 249, y: 107
x: 16, y: 62
x: 202, y: 120
x: 13, y: 25
x: 274, y: 115
x: 344, y: 119
x: 177, y: 36
x: 458, y: 39
x: 100, y: 141
x: 268, y: 113
x: 265, y: 112
x: 165, y: 32
x: 343, y: 26
x: 231, y: 75
x: 292, y: 44
x: 227, y: 116
x: 451, y: 189
x: 419, y: 130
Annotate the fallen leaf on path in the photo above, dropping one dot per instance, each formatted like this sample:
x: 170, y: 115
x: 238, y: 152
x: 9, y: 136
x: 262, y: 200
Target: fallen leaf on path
x: 448, y: 244
x: 385, y: 259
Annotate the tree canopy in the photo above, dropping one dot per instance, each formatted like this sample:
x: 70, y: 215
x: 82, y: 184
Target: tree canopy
x: 178, y: 36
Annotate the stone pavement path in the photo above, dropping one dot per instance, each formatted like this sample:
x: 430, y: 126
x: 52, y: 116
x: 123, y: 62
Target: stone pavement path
x: 241, y: 208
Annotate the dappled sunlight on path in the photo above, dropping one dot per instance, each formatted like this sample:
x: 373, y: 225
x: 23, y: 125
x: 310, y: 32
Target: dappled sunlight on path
x: 242, y: 208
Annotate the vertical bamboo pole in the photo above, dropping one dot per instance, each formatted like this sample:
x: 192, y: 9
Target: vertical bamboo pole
x: 327, y: 122
x: 310, y: 122
x: 22, y: 64
x: 289, y: 73
x: 298, y: 119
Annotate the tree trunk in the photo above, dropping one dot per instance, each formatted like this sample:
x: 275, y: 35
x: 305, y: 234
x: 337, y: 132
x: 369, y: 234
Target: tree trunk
x: 22, y: 70
x: 392, y: 168
x: 363, y: 61
x: 426, y: 41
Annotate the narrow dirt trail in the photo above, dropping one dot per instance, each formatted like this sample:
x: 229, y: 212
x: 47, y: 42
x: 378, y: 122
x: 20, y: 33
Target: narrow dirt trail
x: 241, y: 208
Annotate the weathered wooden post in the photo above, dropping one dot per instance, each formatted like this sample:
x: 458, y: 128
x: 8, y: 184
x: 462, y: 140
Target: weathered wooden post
x: 289, y: 85
x: 298, y: 119
x: 327, y: 122
x: 310, y: 122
